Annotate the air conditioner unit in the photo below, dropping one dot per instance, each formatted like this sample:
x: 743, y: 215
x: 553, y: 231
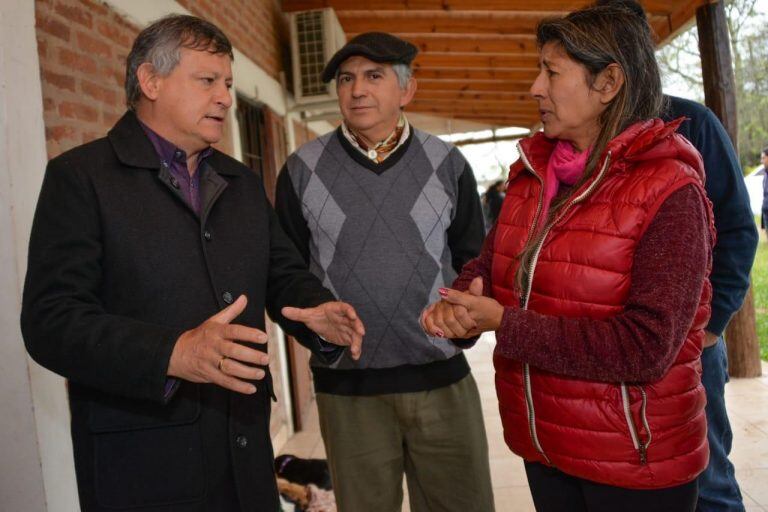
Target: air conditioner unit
x: 315, y: 36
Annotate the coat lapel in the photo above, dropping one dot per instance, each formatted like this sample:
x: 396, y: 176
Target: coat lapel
x: 131, y: 144
x: 134, y: 149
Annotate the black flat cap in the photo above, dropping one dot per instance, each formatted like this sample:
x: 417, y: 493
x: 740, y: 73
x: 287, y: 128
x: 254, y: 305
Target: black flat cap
x: 376, y: 46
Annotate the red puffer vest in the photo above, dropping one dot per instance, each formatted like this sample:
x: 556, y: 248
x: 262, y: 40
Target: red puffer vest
x: 640, y: 436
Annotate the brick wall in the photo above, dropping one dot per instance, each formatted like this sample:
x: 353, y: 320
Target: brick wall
x: 257, y: 28
x: 82, y: 46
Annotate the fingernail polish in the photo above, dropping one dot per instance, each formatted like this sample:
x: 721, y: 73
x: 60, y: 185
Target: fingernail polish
x: 440, y: 334
x: 442, y: 291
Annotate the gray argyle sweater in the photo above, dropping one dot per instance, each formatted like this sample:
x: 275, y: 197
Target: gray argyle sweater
x: 384, y: 237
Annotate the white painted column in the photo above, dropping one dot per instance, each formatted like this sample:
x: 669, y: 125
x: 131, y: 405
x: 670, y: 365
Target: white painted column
x: 36, y: 449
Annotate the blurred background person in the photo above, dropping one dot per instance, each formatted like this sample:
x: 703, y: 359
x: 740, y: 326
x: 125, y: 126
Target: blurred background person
x: 492, y: 201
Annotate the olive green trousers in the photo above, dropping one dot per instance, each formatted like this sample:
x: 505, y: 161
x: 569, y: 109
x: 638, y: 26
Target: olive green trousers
x: 436, y: 438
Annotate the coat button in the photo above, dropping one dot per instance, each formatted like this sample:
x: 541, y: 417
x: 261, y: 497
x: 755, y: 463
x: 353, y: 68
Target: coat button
x: 174, y: 182
x: 241, y: 441
x: 227, y: 297
x: 207, y: 235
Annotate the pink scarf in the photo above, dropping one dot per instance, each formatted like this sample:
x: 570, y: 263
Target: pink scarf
x: 565, y: 166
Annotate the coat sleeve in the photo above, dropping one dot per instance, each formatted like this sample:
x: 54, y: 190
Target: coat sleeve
x: 737, y: 236
x: 467, y: 229
x: 288, y: 208
x: 65, y: 326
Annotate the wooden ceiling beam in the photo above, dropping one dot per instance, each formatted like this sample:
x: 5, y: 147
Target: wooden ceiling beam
x: 497, y: 121
x: 526, y: 76
x: 498, y: 118
x: 510, y: 114
x: 475, y: 60
x: 526, y: 104
x: 479, y: 43
x: 508, y: 119
x: 471, y: 96
x: 666, y: 7
x: 477, y: 111
x: 435, y: 5
x: 497, y: 86
x: 512, y: 23
x: 651, y: 6
x: 682, y: 17
x: 465, y: 24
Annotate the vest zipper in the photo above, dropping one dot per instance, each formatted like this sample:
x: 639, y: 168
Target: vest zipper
x: 529, y: 281
x: 642, y: 448
x: 540, y: 204
x: 545, y: 231
x: 531, y: 411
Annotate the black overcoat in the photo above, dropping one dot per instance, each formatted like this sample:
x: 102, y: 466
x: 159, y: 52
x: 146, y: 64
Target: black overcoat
x: 119, y: 266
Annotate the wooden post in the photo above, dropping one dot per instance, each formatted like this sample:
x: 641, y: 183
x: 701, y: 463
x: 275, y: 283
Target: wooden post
x: 720, y: 97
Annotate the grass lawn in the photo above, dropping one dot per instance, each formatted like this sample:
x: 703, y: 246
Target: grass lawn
x: 760, y: 292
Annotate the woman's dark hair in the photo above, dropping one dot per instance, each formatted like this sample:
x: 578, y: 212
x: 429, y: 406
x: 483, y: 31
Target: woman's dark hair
x: 495, y: 185
x: 629, y: 5
x: 596, y: 37
x: 765, y: 150
x: 601, y: 35
x: 160, y: 44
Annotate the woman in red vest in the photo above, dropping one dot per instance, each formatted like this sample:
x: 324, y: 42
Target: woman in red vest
x: 594, y: 279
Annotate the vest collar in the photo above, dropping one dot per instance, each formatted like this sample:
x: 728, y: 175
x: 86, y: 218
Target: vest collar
x: 650, y: 139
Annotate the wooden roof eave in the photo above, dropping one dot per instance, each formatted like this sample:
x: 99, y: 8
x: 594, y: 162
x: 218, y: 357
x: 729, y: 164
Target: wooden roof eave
x: 478, y: 54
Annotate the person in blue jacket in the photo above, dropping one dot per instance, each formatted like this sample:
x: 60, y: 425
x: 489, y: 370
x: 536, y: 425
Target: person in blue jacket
x: 732, y: 260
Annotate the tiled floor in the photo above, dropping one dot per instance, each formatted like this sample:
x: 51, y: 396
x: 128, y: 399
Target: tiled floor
x: 747, y: 406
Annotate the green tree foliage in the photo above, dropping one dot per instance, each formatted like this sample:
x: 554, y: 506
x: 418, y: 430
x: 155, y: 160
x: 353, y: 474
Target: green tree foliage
x: 680, y: 64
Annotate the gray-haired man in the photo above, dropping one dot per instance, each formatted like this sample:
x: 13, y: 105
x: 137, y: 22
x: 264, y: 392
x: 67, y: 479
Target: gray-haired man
x: 146, y: 246
x: 387, y: 214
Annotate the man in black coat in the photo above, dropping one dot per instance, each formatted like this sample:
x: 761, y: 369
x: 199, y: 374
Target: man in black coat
x: 145, y: 248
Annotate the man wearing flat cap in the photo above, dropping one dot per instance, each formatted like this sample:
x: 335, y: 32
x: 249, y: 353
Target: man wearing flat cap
x: 386, y: 215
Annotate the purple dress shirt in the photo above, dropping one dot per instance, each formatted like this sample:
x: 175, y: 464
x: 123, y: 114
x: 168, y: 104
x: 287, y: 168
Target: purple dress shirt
x: 175, y: 160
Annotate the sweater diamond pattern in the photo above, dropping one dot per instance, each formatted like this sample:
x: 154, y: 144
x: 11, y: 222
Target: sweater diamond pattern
x: 379, y: 240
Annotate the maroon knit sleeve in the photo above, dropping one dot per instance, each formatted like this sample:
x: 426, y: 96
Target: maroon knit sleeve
x: 480, y: 266
x: 642, y: 342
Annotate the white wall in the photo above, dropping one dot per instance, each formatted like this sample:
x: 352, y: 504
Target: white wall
x: 754, y: 183
x: 35, y: 446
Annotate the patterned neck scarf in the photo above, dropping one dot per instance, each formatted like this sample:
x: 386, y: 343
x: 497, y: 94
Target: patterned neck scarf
x: 381, y: 150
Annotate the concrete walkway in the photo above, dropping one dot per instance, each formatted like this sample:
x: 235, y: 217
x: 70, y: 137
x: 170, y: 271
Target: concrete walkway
x: 747, y: 406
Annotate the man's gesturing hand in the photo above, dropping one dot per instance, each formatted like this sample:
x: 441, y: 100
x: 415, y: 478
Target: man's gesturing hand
x: 208, y: 353
x: 336, y: 322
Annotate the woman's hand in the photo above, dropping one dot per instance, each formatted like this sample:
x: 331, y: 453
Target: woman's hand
x: 445, y: 320
x: 463, y: 314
